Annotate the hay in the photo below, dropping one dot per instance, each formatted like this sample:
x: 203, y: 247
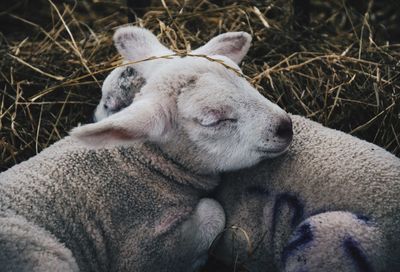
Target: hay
x: 341, y: 70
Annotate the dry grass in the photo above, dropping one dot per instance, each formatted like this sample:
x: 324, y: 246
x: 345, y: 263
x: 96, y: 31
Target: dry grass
x: 342, y: 70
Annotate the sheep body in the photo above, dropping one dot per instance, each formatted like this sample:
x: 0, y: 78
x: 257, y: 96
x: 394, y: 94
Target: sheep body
x: 26, y: 247
x: 73, y: 193
x: 324, y: 170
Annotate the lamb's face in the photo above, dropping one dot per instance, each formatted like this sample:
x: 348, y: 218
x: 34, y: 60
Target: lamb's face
x: 118, y: 91
x: 228, y: 123
x: 200, y: 112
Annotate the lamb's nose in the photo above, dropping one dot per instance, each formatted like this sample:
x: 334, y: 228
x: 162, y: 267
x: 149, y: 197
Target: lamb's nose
x: 285, y: 129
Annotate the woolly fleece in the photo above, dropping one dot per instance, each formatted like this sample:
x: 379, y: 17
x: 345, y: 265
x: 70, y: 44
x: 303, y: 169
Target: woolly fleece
x: 324, y: 170
x: 109, y: 209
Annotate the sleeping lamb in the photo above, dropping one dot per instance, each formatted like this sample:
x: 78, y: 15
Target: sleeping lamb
x: 330, y: 204
x: 125, y: 194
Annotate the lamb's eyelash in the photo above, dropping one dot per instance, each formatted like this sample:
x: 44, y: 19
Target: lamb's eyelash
x: 232, y: 120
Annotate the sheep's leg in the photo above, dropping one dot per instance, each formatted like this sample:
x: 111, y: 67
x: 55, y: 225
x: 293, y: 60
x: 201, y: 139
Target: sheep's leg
x: 26, y: 247
x: 334, y: 241
x: 201, y: 229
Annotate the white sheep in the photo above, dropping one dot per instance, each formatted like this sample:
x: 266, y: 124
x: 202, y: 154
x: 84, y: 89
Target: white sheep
x: 126, y: 193
x: 330, y: 204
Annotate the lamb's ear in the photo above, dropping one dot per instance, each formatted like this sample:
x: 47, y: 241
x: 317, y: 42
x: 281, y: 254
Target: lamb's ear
x: 144, y: 119
x: 135, y: 43
x: 233, y: 45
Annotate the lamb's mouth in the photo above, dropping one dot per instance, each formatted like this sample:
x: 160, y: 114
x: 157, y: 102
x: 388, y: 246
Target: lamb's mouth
x: 272, y: 152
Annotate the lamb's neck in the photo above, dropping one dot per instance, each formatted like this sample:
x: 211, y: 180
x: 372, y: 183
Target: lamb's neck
x: 153, y: 157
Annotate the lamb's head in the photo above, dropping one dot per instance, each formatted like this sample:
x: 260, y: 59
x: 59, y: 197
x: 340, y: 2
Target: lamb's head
x: 201, y: 113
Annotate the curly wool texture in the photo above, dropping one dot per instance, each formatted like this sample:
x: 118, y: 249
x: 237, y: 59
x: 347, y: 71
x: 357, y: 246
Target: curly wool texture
x: 325, y: 170
x: 102, y: 210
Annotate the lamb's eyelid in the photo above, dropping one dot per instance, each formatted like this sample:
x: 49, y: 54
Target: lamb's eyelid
x: 213, y: 124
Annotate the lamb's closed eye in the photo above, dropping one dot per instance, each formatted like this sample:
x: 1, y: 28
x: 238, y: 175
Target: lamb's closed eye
x: 215, y: 123
x: 216, y: 117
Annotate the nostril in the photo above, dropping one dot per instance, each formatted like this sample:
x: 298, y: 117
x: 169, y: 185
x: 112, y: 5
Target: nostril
x: 285, y: 129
